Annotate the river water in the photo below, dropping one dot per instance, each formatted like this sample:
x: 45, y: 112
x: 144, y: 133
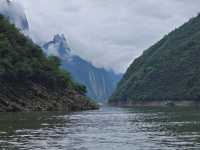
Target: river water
x: 105, y: 129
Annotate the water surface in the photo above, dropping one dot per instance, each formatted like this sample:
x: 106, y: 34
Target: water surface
x: 105, y: 129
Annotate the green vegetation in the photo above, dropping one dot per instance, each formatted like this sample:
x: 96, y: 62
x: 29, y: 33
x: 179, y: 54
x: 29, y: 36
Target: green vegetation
x: 169, y: 70
x: 21, y: 59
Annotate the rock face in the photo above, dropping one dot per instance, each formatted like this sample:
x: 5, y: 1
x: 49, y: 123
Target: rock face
x: 100, y: 83
x: 167, y: 71
x: 30, y: 81
x: 14, y: 12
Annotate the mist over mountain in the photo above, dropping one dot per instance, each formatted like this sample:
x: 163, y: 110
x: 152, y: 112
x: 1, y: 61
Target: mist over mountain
x: 100, y: 83
x: 15, y: 13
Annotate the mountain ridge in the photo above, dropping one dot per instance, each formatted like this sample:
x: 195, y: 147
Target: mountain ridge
x: 167, y: 71
x: 99, y: 81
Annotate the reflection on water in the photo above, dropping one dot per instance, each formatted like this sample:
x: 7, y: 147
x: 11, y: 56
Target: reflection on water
x: 104, y: 129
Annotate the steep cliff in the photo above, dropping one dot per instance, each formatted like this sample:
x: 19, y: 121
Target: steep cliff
x: 100, y: 83
x: 167, y: 71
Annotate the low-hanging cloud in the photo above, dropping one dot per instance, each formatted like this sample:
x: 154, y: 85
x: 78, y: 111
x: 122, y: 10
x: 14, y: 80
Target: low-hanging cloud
x: 14, y: 11
x: 109, y: 33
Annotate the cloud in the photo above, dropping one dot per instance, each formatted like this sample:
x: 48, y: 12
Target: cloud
x: 14, y: 11
x: 109, y: 33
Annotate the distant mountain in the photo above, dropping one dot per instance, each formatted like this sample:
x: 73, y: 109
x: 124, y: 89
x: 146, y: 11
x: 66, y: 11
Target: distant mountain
x: 169, y: 70
x: 14, y: 12
x: 100, y: 83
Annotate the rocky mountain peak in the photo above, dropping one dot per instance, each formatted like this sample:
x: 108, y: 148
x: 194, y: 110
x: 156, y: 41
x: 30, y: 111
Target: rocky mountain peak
x: 59, y: 38
x: 100, y: 83
x: 58, y: 47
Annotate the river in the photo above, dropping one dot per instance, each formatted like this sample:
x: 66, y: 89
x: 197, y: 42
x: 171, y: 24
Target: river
x: 106, y: 129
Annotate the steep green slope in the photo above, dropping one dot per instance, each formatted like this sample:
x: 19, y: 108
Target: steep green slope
x: 169, y: 70
x: 29, y: 81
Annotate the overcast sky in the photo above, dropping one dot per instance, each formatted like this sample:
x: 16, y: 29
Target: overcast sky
x: 109, y: 33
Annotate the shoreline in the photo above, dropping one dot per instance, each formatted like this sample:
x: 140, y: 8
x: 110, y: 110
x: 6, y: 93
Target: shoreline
x: 171, y: 103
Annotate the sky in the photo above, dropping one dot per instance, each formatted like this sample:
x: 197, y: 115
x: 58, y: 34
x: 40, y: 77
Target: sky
x: 108, y: 33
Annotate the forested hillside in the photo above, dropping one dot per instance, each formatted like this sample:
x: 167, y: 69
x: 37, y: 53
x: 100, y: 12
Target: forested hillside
x: 169, y: 70
x: 31, y: 81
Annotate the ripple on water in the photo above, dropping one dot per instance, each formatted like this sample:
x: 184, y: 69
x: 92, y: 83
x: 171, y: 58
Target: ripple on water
x: 104, y: 129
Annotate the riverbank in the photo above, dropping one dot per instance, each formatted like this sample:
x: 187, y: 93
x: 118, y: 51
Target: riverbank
x: 32, y: 96
x: 183, y: 103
